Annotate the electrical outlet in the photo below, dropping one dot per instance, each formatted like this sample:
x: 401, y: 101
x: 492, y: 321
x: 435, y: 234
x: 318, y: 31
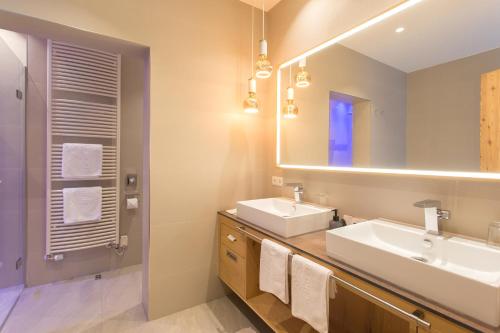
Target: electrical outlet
x: 277, y: 181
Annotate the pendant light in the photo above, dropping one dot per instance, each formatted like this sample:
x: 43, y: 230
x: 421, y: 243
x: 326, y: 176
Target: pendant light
x: 263, y: 68
x: 302, y: 78
x: 290, y: 110
x: 250, y: 104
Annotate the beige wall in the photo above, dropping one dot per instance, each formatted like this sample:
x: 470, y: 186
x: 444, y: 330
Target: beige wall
x: 305, y: 140
x: 298, y: 25
x: 443, y: 113
x: 205, y: 154
x: 39, y: 271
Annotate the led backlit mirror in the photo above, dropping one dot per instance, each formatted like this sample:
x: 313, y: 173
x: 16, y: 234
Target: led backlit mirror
x: 415, y: 91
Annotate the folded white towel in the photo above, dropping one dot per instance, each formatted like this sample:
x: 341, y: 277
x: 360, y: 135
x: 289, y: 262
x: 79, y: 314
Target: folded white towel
x: 273, y: 275
x: 82, y: 204
x: 310, y: 296
x: 81, y: 160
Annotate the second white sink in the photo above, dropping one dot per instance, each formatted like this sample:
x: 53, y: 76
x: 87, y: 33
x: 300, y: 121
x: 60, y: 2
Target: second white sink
x: 460, y: 274
x: 283, y: 216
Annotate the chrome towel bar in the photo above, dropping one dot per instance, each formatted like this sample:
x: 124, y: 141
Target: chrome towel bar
x: 384, y: 304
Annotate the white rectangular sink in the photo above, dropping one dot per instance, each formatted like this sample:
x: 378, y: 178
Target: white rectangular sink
x: 283, y: 217
x: 460, y: 274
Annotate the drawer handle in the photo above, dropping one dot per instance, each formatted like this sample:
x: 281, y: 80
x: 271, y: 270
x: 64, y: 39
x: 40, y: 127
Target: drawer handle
x: 231, y: 256
x: 231, y: 238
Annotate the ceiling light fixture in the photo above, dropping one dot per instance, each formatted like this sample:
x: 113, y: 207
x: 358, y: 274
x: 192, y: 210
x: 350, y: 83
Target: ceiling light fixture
x: 263, y: 67
x: 400, y: 29
x: 250, y: 104
x: 290, y: 111
x: 302, y: 78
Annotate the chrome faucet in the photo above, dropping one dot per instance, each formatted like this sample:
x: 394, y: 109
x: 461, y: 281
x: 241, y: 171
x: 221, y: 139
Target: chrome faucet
x: 298, y: 191
x: 432, y: 215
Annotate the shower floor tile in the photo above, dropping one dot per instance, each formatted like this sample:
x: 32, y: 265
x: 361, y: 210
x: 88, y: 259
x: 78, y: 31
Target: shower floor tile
x: 113, y: 304
x: 8, y: 297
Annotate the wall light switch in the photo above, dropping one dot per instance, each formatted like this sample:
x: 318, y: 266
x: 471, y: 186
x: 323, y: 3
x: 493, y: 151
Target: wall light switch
x: 131, y: 180
x: 277, y: 181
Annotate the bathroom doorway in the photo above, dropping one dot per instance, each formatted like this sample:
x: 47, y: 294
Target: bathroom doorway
x: 12, y: 168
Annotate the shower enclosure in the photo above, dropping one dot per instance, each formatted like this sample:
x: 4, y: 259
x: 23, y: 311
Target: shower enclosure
x: 12, y: 168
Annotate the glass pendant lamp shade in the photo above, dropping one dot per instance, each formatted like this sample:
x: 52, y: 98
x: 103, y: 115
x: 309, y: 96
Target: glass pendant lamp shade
x: 302, y: 78
x: 290, y: 110
x: 263, y: 68
x: 250, y: 104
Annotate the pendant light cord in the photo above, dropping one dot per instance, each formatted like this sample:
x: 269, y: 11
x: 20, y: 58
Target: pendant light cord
x: 263, y: 19
x: 251, y: 46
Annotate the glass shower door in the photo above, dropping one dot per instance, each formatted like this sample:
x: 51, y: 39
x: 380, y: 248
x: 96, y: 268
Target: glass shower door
x: 12, y: 169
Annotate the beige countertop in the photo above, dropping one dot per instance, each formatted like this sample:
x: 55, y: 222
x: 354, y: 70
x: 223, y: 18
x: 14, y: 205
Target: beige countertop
x: 314, y: 244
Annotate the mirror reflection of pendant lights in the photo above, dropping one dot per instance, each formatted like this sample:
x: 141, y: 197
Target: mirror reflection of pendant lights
x: 263, y: 68
x: 250, y: 104
x: 302, y: 78
x: 290, y: 110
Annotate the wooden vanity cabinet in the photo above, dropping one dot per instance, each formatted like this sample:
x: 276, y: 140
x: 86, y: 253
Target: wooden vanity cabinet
x: 350, y: 311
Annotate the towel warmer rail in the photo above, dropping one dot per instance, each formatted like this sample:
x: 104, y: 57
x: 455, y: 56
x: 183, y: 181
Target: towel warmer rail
x: 83, y: 105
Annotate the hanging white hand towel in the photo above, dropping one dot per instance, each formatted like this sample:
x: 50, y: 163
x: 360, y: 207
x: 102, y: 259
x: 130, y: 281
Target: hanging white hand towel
x: 310, y: 296
x: 82, y: 204
x: 273, y: 275
x: 81, y: 160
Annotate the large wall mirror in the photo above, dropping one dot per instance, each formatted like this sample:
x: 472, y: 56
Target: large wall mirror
x: 415, y: 90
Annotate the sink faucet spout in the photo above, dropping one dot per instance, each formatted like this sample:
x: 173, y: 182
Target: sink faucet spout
x: 298, y: 191
x: 432, y: 215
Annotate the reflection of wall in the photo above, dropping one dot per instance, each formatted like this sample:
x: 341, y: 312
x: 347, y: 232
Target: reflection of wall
x: 346, y: 71
x: 443, y: 113
x: 39, y: 271
x: 362, y: 134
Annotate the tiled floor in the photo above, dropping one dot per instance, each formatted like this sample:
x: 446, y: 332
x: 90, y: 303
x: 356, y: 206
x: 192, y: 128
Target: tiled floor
x: 8, y: 297
x: 113, y: 304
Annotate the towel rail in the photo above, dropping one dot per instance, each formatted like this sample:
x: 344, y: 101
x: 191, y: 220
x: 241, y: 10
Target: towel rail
x: 91, y: 115
x: 377, y: 300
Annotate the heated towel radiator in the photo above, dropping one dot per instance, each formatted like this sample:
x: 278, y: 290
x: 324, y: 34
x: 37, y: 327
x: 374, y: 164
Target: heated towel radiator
x: 83, y: 106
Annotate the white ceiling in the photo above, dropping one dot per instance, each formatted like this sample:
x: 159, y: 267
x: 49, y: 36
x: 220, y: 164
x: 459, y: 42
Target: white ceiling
x: 436, y: 32
x: 268, y: 4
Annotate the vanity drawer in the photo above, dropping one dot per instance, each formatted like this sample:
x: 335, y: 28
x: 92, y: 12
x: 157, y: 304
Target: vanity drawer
x: 231, y: 269
x: 233, y: 239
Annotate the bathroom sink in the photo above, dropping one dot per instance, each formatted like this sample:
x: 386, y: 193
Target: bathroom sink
x: 457, y: 273
x: 283, y: 217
